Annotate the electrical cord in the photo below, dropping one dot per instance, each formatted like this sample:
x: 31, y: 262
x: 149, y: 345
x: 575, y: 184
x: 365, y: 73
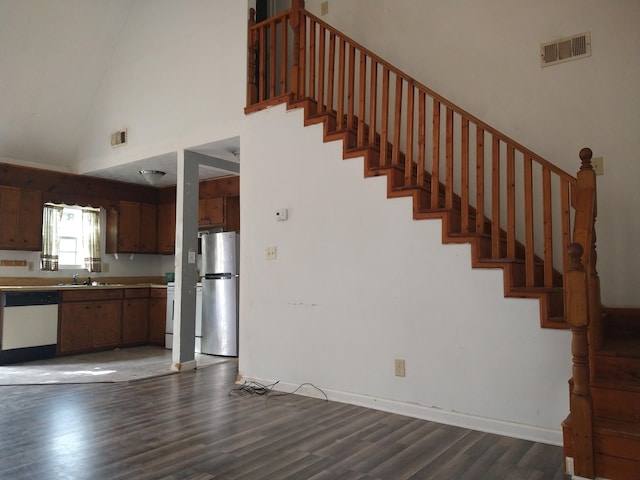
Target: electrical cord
x: 252, y: 388
x: 284, y: 394
x: 255, y: 388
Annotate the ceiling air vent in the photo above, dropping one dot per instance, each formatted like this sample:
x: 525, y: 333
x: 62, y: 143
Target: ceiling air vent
x: 119, y: 138
x: 565, y: 49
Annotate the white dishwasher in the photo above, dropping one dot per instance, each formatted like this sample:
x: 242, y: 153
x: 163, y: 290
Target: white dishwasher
x: 29, y: 326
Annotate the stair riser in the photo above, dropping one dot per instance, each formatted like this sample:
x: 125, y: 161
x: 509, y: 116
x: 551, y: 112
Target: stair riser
x: 617, y: 468
x: 617, y: 446
x: 622, y: 323
x: 616, y: 404
x: 618, y: 368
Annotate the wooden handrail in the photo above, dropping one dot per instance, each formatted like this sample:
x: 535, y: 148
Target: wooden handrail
x: 287, y: 14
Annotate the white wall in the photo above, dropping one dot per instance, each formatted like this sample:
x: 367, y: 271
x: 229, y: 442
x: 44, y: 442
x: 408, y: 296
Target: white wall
x: 177, y: 79
x: 484, y: 56
x: 358, y: 283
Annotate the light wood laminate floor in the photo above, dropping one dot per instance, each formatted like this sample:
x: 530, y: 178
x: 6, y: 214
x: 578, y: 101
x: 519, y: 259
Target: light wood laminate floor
x: 188, y: 427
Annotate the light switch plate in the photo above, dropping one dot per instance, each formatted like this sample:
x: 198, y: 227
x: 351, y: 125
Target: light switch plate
x: 598, y: 165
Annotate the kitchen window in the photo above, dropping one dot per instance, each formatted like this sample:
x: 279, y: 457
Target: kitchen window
x: 70, y: 238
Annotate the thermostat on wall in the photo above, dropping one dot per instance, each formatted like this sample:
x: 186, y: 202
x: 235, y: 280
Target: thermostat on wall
x: 282, y: 214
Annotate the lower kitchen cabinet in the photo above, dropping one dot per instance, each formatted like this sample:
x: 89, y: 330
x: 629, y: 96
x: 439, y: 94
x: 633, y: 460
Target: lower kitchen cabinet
x: 106, y: 325
x: 157, y: 315
x: 97, y: 319
x: 90, y: 320
x: 74, y: 334
x: 135, y: 316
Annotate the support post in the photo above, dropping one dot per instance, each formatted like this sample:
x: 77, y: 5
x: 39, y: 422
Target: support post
x: 583, y: 315
x: 581, y: 403
x: 184, y: 326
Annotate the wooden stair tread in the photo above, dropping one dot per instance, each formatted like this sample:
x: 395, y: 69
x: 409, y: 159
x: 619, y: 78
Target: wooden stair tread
x: 622, y: 385
x: 617, y: 427
x: 537, y: 289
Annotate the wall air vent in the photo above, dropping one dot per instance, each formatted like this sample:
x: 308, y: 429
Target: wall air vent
x: 119, y: 138
x: 565, y: 49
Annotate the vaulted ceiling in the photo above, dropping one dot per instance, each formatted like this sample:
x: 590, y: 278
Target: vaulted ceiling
x: 53, y: 58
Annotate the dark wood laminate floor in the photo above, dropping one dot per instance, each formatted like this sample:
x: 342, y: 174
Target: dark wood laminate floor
x: 187, y: 427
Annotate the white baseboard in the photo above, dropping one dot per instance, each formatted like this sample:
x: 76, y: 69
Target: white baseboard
x: 433, y: 414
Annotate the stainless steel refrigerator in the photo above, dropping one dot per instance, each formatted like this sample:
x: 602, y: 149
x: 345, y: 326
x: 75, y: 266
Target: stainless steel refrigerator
x: 220, y: 268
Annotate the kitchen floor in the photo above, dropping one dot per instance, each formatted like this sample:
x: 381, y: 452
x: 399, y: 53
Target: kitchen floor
x: 119, y: 365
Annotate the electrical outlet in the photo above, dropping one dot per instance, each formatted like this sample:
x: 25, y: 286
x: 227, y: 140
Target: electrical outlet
x: 30, y: 266
x: 399, y: 364
x: 105, y: 268
x: 324, y: 8
x: 272, y: 253
x: 598, y: 165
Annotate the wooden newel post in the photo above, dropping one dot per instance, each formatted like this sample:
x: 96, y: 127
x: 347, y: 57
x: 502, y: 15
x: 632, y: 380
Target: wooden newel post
x: 580, y: 402
x: 252, y: 55
x: 296, y: 19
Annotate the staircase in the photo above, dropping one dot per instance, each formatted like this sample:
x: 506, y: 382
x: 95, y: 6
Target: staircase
x: 613, y: 401
x: 516, y: 210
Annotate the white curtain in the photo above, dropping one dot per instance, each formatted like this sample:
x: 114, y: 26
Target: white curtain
x: 91, y: 240
x: 50, y: 242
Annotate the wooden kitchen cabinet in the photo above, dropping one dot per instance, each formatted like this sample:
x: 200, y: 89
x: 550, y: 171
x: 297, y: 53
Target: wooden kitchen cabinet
x: 210, y: 212
x: 148, y: 228
x: 135, y: 316
x: 131, y: 228
x: 74, y: 333
x: 90, y: 320
x: 219, y: 212
x: 157, y: 315
x: 166, y: 228
x: 106, y: 324
x: 20, y: 219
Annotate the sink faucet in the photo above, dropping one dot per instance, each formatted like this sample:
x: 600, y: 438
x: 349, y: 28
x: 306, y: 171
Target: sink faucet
x: 75, y: 279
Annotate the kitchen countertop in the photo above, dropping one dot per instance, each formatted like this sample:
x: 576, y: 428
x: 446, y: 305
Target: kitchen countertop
x: 40, y: 288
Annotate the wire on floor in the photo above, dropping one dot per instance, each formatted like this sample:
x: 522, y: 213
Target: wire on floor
x: 255, y: 388
x: 252, y: 388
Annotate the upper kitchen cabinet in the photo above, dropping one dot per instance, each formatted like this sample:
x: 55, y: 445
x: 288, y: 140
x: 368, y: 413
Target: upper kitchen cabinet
x: 167, y: 228
x: 219, y: 203
x: 20, y: 219
x: 219, y: 212
x: 131, y: 228
x: 211, y: 212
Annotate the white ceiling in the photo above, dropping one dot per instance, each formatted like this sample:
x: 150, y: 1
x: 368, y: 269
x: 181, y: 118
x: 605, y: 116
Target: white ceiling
x: 53, y: 57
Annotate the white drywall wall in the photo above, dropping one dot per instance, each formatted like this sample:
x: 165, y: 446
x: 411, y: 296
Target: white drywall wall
x: 177, y: 79
x: 484, y: 56
x: 357, y: 283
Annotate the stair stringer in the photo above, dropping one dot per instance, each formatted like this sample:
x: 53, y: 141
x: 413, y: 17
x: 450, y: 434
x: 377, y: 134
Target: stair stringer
x: 550, y: 299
